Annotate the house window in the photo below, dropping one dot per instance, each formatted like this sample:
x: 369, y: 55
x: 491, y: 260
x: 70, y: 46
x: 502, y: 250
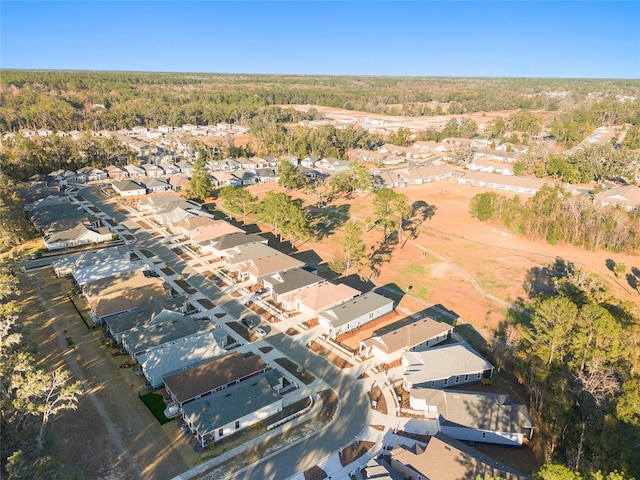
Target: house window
x: 237, y: 424
x: 221, y: 432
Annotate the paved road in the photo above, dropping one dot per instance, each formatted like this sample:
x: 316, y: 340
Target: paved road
x: 354, y: 406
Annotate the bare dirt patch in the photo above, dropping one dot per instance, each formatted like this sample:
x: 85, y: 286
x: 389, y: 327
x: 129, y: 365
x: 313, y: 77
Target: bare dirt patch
x: 334, y: 358
x: 376, y: 395
x: 315, y: 473
x: 354, y: 451
x: 207, y: 304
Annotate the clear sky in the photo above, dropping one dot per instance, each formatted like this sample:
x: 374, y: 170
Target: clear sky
x: 455, y: 38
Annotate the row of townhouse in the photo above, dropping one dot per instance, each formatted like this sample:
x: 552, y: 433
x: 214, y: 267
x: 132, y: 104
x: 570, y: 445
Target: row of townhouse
x: 414, y: 176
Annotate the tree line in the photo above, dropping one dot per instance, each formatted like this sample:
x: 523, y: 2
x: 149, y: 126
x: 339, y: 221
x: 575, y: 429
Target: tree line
x: 575, y: 348
x: 64, y: 100
x: 30, y: 394
x: 557, y: 217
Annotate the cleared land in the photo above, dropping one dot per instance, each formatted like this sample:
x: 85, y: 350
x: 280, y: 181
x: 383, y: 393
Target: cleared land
x: 472, y: 268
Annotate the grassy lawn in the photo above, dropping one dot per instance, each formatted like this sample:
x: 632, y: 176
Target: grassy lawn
x: 156, y: 405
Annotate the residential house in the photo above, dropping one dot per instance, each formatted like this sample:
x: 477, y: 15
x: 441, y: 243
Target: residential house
x: 190, y: 224
x: 289, y: 282
x: 119, y: 282
x: 273, y: 162
x: 475, y: 416
x: 489, y: 166
x: 224, y: 178
x: 128, y: 188
x: 256, y: 269
x: 231, y: 410
x: 171, y: 358
x: 151, y: 170
x: 390, y: 179
x: 155, y: 185
x: 134, y: 171
x: 67, y: 264
x: 507, y: 183
x: 212, y: 376
x: 93, y: 174
x: 178, y: 183
x: 81, y: 234
x: 97, y: 264
x: 185, y: 167
x: 267, y: 175
x: 354, y: 313
x: 126, y: 301
x: 167, y: 327
x: 444, y: 366
x: 116, y: 173
x: 626, y: 197
x: 228, y: 239
x: 389, y: 344
x: 45, y: 132
x: 444, y: 458
x: 309, y: 162
x: 431, y: 146
x: 317, y: 298
x: 170, y: 168
x: 495, y: 155
x: 426, y: 174
x: 292, y: 159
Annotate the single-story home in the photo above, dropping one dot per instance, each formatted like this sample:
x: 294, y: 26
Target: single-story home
x: 507, y: 183
x: 81, y: 234
x: 317, y: 298
x: 165, y: 328
x: 232, y: 409
x: 154, y: 185
x: 389, y: 345
x: 212, y: 376
x: 444, y: 366
x: 626, y: 197
x: 444, y: 458
x: 128, y: 188
x: 354, y: 313
x: 176, y: 357
x: 289, y: 281
x: 475, y: 416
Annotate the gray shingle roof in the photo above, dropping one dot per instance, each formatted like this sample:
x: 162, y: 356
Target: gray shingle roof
x: 221, y: 408
x: 354, y: 308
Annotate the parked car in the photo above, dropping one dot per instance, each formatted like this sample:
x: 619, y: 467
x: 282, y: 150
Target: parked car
x: 250, y: 322
x: 260, y: 332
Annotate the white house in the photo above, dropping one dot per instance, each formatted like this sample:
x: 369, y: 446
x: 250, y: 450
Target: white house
x: 474, y: 416
x: 128, y: 188
x: 354, y: 313
x: 400, y: 337
x: 444, y: 366
x: 232, y: 409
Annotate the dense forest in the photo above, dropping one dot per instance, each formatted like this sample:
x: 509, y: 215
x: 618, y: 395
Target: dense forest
x: 61, y: 100
x: 575, y: 349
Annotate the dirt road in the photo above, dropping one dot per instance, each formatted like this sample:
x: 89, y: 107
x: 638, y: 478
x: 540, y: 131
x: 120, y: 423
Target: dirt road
x: 112, y: 435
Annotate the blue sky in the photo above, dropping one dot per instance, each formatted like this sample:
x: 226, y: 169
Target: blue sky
x: 456, y: 38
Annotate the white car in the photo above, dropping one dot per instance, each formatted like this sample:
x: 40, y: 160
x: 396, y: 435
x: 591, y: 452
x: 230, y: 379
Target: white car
x: 259, y: 331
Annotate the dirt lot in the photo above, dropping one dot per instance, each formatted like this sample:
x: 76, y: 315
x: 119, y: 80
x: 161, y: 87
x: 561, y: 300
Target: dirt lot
x: 126, y: 441
x: 472, y: 268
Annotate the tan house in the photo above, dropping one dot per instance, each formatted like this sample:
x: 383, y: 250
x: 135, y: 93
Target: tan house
x: 389, y: 345
x: 447, y: 459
